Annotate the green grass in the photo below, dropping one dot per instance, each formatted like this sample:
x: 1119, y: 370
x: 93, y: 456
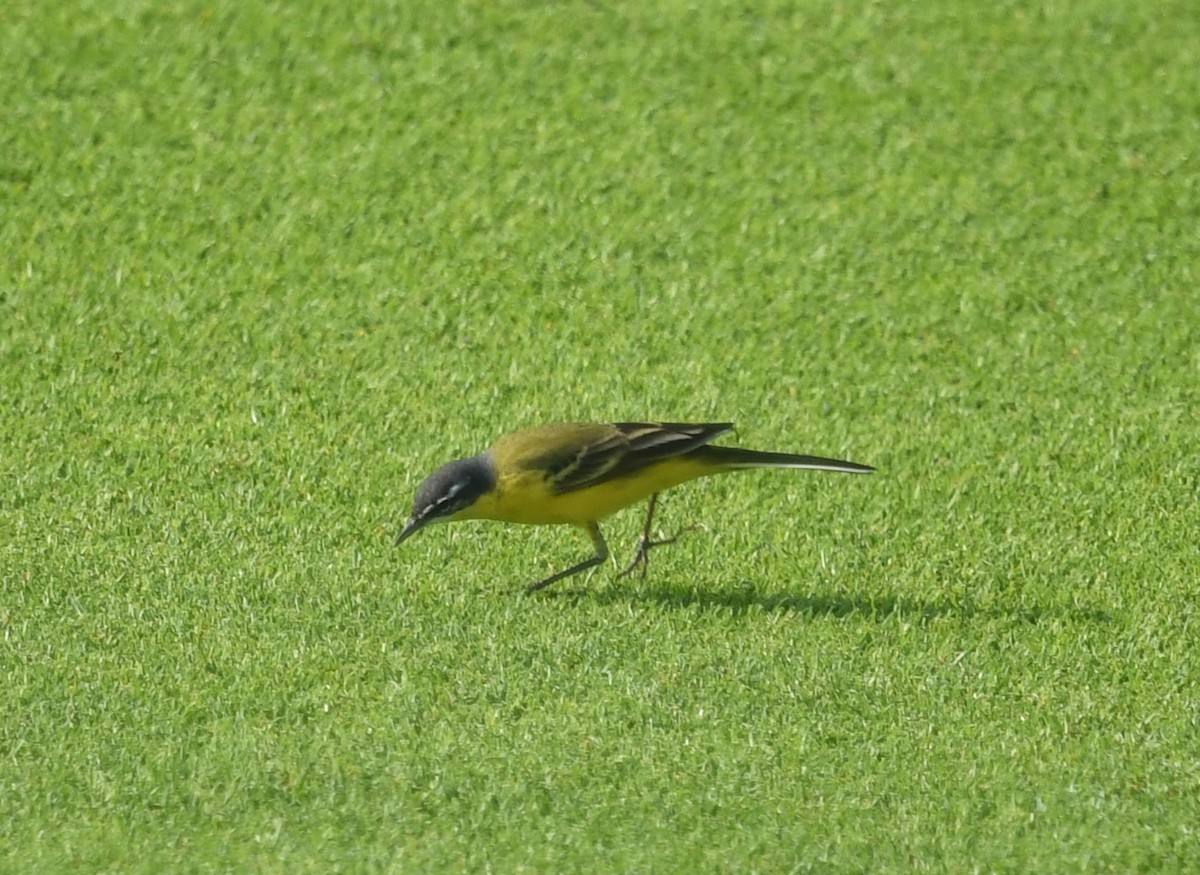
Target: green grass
x: 265, y: 266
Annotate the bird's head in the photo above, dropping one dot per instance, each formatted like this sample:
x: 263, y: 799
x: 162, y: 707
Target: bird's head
x: 448, y: 492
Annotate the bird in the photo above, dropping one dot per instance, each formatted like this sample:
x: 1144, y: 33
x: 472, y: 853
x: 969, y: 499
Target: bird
x: 579, y: 473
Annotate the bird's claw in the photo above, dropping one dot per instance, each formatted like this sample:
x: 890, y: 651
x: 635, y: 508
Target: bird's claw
x: 645, y: 545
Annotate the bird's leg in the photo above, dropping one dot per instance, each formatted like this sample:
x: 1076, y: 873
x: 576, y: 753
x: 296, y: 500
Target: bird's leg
x: 593, y: 531
x: 645, y: 543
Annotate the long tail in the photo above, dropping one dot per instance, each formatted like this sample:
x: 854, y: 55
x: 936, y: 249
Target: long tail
x: 735, y: 457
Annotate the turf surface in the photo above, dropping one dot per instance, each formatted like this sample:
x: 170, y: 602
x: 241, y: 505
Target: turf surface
x: 265, y: 266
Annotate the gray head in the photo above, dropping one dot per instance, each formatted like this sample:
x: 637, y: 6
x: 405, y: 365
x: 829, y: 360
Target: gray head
x: 453, y: 487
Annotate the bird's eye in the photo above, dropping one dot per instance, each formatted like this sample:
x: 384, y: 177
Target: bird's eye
x: 448, y: 501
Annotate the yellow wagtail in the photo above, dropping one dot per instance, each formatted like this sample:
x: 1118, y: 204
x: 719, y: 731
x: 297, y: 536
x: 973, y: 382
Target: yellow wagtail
x: 580, y: 473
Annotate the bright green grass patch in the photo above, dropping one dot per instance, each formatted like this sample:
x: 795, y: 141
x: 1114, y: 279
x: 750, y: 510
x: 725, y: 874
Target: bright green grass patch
x: 265, y: 266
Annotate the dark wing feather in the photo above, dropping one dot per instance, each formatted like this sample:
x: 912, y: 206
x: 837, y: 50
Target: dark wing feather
x: 587, y: 464
x: 629, y: 447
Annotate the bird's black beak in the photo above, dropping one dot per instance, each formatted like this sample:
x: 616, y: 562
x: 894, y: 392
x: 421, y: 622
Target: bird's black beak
x: 413, y: 526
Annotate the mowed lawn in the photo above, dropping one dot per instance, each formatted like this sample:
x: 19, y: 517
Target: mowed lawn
x: 265, y: 266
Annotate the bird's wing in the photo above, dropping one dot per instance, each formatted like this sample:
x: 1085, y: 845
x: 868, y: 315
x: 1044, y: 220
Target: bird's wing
x: 612, y: 451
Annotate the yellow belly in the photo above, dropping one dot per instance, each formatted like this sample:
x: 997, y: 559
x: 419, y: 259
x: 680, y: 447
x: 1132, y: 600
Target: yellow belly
x: 524, y: 498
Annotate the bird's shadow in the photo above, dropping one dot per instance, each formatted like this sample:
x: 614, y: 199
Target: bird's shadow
x: 833, y: 605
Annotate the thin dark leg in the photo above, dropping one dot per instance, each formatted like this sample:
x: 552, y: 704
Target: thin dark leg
x: 645, y: 543
x: 593, y: 531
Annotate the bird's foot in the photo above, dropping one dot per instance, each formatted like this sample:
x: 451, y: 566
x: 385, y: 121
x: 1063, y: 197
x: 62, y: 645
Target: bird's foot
x: 645, y: 545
